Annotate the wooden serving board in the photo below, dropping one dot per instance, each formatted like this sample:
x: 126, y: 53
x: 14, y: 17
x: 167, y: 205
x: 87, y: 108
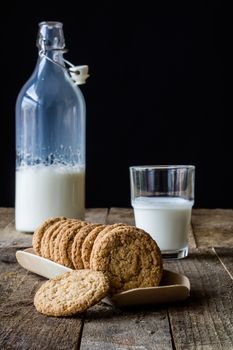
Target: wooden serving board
x: 173, y: 287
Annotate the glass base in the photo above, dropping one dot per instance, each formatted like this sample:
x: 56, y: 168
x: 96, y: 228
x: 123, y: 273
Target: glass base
x: 175, y: 254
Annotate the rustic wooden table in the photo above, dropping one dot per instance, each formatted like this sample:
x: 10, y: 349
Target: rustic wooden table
x: 203, y: 321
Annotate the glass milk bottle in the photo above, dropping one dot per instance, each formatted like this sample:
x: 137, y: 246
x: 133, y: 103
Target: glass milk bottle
x: 50, y: 138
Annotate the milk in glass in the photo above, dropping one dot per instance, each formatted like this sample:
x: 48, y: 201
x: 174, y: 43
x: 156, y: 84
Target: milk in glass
x: 167, y: 219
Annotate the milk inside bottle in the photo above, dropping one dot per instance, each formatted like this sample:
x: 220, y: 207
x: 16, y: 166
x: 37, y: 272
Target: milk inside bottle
x: 43, y: 192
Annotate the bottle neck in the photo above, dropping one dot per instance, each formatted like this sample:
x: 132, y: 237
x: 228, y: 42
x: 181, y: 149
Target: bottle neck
x: 51, y: 42
x: 52, y: 56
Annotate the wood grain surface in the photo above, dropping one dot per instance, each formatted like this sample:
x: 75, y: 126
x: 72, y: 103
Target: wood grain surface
x: 203, y: 321
x: 213, y: 227
x: 206, y: 318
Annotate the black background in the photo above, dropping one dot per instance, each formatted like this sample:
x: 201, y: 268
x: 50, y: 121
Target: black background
x: 157, y: 92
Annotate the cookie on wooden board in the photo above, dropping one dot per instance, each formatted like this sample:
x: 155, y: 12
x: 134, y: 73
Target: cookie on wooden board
x: 129, y: 257
x: 38, y: 234
x: 45, y: 241
x: 71, y: 293
x: 107, y: 229
x: 88, y: 244
x: 56, y: 252
x: 66, y: 242
x: 76, y: 251
x: 91, y: 239
x: 53, y: 238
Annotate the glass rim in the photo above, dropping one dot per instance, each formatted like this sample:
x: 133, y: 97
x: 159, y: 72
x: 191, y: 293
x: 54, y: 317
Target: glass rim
x: 162, y: 167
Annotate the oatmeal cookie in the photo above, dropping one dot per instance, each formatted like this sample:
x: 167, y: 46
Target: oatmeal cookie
x: 39, y: 233
x: 71, y: 293
x: 129, y: 257
x: 76, y: 251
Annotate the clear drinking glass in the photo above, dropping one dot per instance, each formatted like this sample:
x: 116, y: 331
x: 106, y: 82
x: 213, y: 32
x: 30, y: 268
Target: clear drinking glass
x: 162, y: 197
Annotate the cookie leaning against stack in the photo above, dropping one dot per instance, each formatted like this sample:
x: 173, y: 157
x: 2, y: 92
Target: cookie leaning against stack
x: 71, y: 293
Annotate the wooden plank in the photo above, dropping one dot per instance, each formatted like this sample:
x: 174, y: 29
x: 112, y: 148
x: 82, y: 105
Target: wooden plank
x: 10, y: 273
x: 8, y: 234
x: 6, y: 216
x: 191, y: 239
x: 213, y: 227
x: 225, y: 255
x: 205, y: 320
x: 10, y: 237
x: 107, y: 328
x: 21, y: 326
x: 126, y: 216
x: 98, y: 215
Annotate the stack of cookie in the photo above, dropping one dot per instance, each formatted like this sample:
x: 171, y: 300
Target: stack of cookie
x: 126, y: 256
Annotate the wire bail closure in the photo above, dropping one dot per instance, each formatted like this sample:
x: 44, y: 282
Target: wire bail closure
x: 78, y: 74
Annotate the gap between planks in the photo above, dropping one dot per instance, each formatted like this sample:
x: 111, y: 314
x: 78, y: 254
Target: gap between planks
x: 221, y: 261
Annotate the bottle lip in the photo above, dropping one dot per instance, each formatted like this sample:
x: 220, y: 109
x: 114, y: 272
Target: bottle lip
x: 51, y: 23
x: 50, y: 36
